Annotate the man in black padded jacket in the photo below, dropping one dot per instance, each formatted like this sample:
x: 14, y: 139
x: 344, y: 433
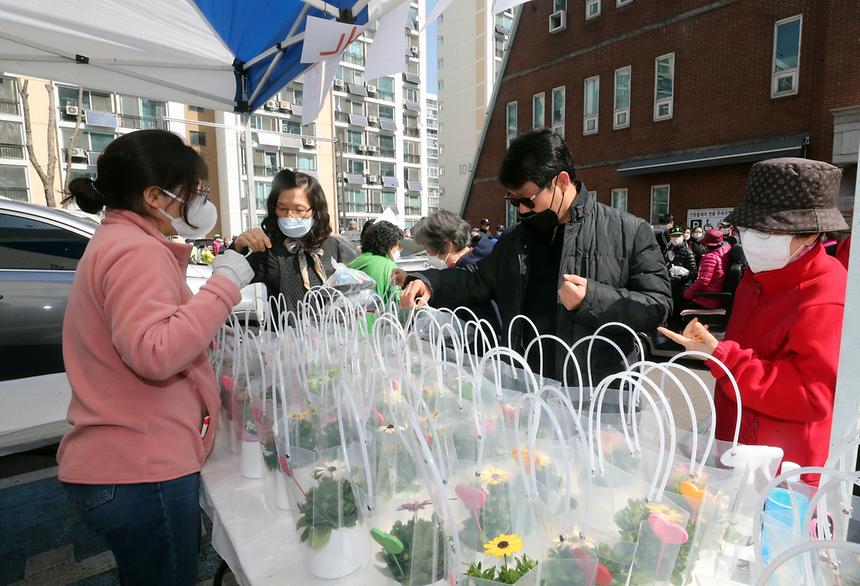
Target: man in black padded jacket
x: 570, y: 264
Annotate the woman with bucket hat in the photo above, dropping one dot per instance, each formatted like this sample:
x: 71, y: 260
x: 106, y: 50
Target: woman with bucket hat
x: 782, y: 341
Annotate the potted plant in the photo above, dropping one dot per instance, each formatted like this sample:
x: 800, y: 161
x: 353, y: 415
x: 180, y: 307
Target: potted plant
x: 274, y: 481
x: 330, y: 524
x: 489, y: 506
x: 502, y: 546
x: 413, y: 552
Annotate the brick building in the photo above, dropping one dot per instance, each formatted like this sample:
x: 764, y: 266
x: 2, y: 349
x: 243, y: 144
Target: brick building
x: 665, y: 105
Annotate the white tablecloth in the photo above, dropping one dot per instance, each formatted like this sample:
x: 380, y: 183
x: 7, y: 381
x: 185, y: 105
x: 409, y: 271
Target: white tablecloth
x: 259, y: 544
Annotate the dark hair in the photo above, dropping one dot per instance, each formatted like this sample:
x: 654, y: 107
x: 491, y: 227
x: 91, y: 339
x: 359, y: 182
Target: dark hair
x: 133, y: 162
x: 666, y: 219
x: 381, y: 238
x: 285, y: 180
x: 438, y: 229
x: 365, y: 228
x: 536, y: 156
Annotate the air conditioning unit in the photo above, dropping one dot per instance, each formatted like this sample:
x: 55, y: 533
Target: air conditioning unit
x: 371, y: 89
x: 285, y: 106
x: 372, y: 179
x: 72, y: 110
x: 364, y: 148
x: 309, y: 143
x: 373, y: 119
x: 414, y: 51
x: 558, y: 21
x: 339, y: 84
x: 79, y: 153
x: 370, y: 149
x: 272, y: 105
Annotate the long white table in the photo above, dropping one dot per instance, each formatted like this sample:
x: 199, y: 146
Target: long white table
x: 260, y: 545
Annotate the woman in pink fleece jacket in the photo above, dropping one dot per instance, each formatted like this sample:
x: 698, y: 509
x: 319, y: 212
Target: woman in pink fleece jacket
x: 134, y: 346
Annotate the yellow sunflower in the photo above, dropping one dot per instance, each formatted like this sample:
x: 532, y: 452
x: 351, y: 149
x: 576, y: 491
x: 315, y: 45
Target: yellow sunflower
x: 504, y: 545
x: 493, y: 475
x: 669, y: 513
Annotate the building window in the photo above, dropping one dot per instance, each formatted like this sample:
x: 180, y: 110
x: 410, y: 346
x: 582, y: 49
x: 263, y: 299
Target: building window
x: 256, y: 121
x: 355, y: 167
x: 307, y: 162
x: 664, y: 86
x: 590, y: 108
x: 786, y: 57
x: 196, y: 138
x: 538, y: 110
x: 659, y: 202
x: 558, y: 111
x: 620, y: 3
x: 559, y: 5
x: 619, y: 199
x: 621, y: 117
x: 511, y: 115
x: 196, y: 109
x: 13, y: 182
x: 592, y: 9
x: 291, y: 127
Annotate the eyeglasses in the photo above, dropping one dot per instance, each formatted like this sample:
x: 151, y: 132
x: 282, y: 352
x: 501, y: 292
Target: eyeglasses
x: 529, y: 201
x: 295, y: 212
x: 202, y: 193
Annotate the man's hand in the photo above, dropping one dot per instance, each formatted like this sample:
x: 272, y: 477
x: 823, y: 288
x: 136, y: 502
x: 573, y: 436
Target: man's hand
x: 572, y: 291
x: 696, y: 337
x: 255, y: 239
x: 416, y: 294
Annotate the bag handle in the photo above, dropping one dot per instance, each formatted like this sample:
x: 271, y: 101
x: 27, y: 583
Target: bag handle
x: 818, y: 502
x: 802, y: 548
x: 362, y: 437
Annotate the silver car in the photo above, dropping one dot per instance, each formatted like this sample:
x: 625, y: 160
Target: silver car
x: 39, y: 250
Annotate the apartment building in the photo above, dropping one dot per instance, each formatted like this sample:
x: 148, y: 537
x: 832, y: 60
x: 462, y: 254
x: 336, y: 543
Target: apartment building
x: 471, y: 45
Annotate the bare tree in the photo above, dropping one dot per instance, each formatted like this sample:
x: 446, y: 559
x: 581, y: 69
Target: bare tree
x: 48, y: 173
x: 75, y: 132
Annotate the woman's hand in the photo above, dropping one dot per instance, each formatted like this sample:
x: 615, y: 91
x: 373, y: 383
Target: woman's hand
x: 696, y: 337
x: 255, y: 239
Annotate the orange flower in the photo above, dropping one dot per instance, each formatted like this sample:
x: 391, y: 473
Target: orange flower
x: 523, y: 459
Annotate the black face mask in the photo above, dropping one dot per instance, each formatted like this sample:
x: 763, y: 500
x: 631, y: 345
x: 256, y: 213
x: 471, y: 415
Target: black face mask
x: 544, y: 222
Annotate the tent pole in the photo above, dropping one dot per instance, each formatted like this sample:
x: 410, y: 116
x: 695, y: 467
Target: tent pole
x: 249, y: 171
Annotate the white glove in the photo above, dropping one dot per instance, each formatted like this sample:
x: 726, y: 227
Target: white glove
x: 678, y: 272
x: 234, y: 266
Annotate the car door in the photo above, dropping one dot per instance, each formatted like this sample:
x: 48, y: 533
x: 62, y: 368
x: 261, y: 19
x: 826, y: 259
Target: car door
x: 38, y: 258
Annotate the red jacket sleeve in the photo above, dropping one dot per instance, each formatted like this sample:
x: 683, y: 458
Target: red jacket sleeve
x: 706, y: 273
x: 800, y: 384
x: 156, y: 334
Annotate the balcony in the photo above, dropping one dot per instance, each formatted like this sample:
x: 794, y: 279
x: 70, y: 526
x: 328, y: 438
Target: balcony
x: 412, y: 211
x: 141, y: 122
x: 16, y: 193
x: 265, y: 171
x: 412, y: 132
x: 342, y: 117
x: 11, y: 151
x: 10, y: 108
x: 363, y: 208
x: 386, y: 153
x: 415, y: 159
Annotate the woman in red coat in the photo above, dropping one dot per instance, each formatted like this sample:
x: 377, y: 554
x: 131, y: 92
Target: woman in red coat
x: 782, y: 341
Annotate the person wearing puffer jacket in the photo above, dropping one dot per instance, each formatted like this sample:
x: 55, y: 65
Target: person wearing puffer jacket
x: 712, y: 271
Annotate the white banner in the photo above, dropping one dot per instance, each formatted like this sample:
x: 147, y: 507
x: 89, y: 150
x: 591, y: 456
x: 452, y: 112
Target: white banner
x: 707, y: 218
x: 325, y: 38
x: 317, y: 81
x: 387, y: 54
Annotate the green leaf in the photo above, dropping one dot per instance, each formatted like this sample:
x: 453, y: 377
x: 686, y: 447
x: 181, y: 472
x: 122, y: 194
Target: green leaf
x: 319, y: 537
x: 390, y: 543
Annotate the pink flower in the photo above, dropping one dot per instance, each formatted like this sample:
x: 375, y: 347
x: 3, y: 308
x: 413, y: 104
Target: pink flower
x: 489, y: 427
x: 510, y: 412
x: 380, y: 418
x: 416, y: 506
x: 331, y: 417
x: 474, y: 497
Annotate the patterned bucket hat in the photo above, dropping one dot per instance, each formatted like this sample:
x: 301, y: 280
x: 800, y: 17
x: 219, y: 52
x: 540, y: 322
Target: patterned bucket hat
x: 791, y: 196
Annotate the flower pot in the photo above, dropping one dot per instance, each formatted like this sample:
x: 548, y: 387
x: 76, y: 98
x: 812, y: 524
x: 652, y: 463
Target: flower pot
x: 345, y: 552
x: 250, y: 460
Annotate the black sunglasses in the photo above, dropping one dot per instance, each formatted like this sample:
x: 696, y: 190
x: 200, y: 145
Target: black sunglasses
x: 528, y: 202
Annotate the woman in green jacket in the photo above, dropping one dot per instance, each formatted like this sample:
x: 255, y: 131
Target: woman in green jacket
x: 380, y: 246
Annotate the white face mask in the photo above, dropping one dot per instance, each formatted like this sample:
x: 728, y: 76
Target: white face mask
x: 395, y: 256
x: 677, y: 241
x: 698, y: 235
x: 767, y: 252
x: 201, y: 213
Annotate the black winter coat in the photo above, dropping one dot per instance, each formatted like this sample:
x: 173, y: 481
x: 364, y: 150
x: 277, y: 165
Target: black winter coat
x: 617, y: 252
